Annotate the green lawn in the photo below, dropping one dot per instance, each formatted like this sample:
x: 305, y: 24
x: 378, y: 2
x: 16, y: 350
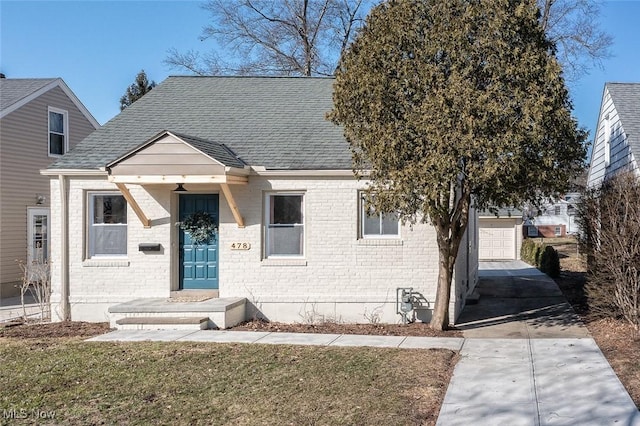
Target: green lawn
x: 191, y: 383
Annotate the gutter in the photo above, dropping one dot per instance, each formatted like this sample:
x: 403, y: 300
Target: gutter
x: 73, y: 172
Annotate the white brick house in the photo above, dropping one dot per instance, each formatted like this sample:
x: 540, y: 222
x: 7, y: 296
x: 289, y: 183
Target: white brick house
x: 258, y: 155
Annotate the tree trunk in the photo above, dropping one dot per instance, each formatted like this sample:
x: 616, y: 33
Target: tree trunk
x: 446, y: 263
x: 450, y: 228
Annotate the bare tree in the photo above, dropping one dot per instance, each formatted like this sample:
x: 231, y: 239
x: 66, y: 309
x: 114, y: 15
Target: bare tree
x: 307, y: 37
x: 572, y: 25
x: 36, y: 280
x: 610, y: 221
x: 286, y: 37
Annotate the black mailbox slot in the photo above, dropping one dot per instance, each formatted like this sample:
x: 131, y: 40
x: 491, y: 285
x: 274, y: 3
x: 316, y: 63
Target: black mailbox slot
x: 149, y: 247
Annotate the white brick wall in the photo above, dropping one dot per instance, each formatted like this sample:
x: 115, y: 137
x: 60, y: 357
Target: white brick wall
x: 341, y: 277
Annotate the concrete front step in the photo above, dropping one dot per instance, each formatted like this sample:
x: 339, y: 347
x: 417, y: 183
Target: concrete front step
x: 220, y: 313
x: 162, y: 323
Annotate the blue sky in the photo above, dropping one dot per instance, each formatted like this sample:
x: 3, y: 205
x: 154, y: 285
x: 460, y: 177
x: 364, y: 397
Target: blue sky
x: 98, y: 47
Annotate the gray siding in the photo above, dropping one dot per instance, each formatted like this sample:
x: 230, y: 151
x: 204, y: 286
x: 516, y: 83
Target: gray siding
x: 23, y: 153
x: 168, y: 156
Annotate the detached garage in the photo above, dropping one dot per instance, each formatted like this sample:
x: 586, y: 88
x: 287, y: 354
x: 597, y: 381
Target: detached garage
x: 500, y: 237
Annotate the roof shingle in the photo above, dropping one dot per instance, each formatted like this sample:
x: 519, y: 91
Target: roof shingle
x: 626, y: 98
x: 275, y: 122
x: 13, y: 90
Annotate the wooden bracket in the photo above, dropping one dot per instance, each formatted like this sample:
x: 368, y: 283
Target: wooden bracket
x: 134, y: 205
x: 232, y: 203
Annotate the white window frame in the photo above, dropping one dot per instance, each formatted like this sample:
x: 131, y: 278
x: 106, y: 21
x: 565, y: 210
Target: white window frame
x: 362, y: 216
x: 557, y: 231
x: 65, y: 134
x: 90, y: 226
x: 267, y: 219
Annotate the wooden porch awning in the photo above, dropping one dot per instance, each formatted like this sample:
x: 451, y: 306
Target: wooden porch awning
x: 171, y: 158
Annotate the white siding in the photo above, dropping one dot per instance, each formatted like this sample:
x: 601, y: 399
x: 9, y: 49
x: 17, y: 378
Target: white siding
x: 609, y: 136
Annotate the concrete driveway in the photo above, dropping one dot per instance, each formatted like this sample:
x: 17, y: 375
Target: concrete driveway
x: 518, y: 301
x: 527, y: 359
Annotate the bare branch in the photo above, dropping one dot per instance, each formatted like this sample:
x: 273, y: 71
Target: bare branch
x: 572, y: 25
x: 287, y: 37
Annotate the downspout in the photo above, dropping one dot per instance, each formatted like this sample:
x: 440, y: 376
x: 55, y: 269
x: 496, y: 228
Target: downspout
x: 64, y: 255
x: 468, y: 258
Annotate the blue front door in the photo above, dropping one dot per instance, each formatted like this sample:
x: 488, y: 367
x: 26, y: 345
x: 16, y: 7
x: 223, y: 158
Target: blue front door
x: 198, y: 263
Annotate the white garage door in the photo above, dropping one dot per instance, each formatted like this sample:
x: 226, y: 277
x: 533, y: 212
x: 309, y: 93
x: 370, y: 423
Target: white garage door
x: 497, y: 239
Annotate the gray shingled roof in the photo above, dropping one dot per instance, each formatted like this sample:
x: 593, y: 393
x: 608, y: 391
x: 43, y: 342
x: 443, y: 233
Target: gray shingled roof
x: 13, y: 90
x: 626, y: 98
x: 214, y: 150
x: 275, y: 122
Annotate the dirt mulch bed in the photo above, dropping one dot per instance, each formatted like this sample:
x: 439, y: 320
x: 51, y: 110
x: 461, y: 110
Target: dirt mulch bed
x: 621, y: 347
x: 36, y: 330
x: 33, y: 330
x: 414, y: 329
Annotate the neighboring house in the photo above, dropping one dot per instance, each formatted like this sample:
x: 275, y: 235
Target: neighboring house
x: 616, y: 145
x: 295, y: 239
x: 40, y: 120
x: 500, y: 234
x: 557, y: 218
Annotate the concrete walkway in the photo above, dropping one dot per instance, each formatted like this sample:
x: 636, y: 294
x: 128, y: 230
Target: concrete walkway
x: 526, y: 359
x: 260, y: 337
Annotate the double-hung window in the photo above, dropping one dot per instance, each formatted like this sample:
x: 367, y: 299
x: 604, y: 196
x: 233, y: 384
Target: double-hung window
x: 377, y: 225
x: 107, y: 224
x: 58, y: 132
x: 284, y: 218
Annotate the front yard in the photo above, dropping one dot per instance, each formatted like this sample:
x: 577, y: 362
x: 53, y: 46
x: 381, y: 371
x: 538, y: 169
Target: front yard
x: 66, y: 380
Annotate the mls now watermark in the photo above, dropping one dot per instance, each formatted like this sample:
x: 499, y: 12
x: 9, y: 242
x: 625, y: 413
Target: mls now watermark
x: 23, y: 413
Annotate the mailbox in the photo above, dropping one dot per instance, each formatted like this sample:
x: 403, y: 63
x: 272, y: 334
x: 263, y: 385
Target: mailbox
x: 146, y: 247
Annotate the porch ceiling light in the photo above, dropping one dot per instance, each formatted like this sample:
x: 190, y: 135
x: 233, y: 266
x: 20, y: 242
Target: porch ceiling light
x: 180, y: 188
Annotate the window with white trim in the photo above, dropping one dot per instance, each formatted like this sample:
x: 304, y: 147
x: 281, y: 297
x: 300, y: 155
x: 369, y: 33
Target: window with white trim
x: 377, y: 225
x: 58, y: 132
x: 557, y: 231
x: 284, y: 218
x: 107, y: 225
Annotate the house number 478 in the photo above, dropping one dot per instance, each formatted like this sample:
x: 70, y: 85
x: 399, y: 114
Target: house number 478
x: 240, y: 246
